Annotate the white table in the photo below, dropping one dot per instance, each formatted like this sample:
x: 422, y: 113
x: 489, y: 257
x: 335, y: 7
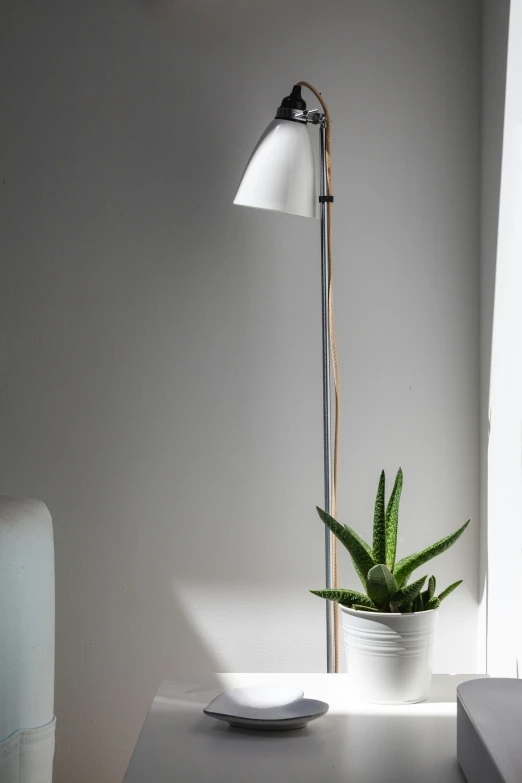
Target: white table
x: 353, y: 743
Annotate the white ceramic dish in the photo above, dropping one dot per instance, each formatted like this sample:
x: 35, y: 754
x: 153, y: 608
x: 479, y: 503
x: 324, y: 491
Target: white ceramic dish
x: 266, y: 707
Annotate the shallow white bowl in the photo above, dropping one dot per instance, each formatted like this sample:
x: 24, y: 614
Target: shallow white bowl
x: 268, y: 707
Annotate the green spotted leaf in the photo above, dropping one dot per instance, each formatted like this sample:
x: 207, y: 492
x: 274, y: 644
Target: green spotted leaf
x: 344, y: 597
x: 379, y: 523
x: 381, y: 584
x: 418, y: 604
x: 365, y: 608
x: 433, y: 604
x: 408, y: 593
x: 449, y: 590
x: 392, y: 520
x: 408, y: 564
x: 360, y: 552
x: 428, y: 594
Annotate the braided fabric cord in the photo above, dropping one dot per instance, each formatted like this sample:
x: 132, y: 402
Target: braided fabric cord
x: 333, y: 350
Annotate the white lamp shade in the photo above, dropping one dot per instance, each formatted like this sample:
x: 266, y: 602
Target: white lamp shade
x: 281, y: 172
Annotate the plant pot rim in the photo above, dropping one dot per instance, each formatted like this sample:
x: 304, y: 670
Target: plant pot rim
x: 349, y: 610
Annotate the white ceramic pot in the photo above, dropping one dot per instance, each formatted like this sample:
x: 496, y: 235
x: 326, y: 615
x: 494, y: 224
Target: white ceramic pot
x: 389, y: 656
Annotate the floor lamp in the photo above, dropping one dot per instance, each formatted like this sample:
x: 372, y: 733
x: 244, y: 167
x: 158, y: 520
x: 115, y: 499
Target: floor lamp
x: 281, y: 176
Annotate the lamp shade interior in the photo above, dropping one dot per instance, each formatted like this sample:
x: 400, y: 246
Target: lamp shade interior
x: 281, y: 172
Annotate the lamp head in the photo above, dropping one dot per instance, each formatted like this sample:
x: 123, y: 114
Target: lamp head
x: 281, y: 172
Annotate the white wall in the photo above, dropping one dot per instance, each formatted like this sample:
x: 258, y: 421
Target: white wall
x: 161, y: 348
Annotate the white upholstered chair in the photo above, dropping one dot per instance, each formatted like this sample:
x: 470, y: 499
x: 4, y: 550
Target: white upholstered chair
x: 26, y: 642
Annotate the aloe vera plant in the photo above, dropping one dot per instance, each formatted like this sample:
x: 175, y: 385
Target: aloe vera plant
x: 384, y: 580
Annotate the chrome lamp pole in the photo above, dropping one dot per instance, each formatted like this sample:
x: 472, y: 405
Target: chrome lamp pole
x: 327, y: 401
x: 281, y: 176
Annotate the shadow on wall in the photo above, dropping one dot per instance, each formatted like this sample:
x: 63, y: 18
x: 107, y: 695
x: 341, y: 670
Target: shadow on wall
x: 112, y: 682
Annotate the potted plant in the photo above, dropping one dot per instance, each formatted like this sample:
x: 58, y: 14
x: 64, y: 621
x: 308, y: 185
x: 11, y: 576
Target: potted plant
x: 388, y: 629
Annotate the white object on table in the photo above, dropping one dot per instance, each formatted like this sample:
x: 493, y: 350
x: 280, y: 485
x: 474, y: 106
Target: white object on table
x: 355, y: 741
x: 266, y: 707
x: 489, y: 720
